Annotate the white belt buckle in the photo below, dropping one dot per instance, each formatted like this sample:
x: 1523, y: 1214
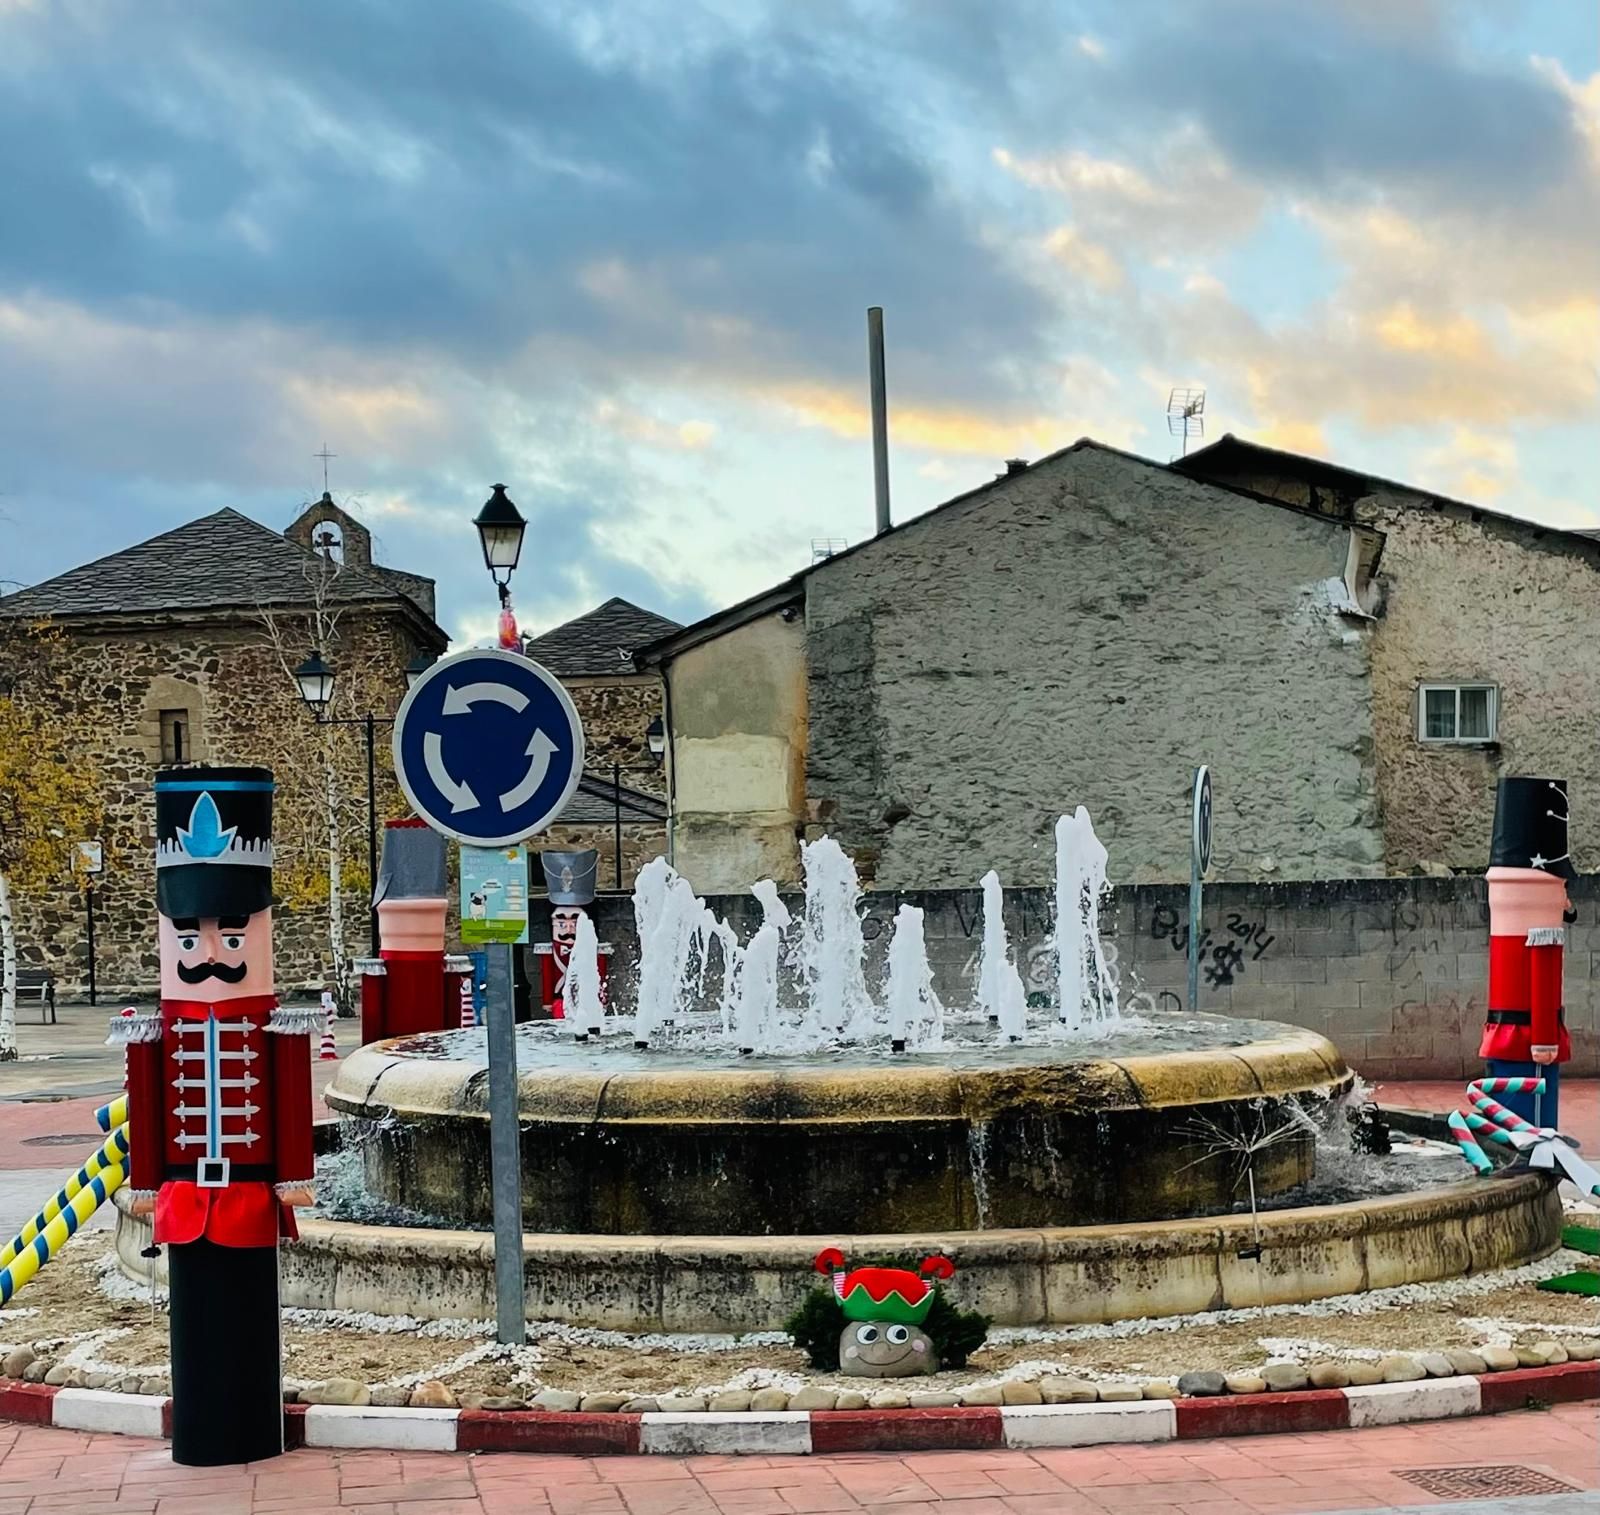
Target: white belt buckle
x: 212, y: 1172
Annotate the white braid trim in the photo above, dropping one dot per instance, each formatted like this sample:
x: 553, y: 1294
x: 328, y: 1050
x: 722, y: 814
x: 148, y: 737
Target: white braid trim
x: 289, y: 1185
x: 1547, y: 936
x: 127, y: 1029
x: 297, y: 1020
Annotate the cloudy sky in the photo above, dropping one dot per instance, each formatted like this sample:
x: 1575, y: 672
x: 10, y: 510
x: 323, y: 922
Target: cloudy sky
x: 618, y: 256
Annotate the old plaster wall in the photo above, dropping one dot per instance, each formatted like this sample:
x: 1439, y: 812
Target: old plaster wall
x: 1469, y: 597
x: 1481, y: 601
x: 1083, y: 633
x: 109, y: 683
x: 738, y: 754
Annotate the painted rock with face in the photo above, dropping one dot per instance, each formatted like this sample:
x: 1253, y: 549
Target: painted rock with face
x: 885, y: 1349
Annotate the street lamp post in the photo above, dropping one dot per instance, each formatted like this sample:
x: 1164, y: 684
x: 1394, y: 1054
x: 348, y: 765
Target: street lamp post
x: 315, y: 680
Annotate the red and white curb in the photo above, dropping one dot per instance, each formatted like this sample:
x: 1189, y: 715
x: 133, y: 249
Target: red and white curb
x: 800, y: 1431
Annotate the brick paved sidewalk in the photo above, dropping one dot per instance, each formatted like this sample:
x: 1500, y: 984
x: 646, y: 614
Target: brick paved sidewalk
x: 48, y: 1472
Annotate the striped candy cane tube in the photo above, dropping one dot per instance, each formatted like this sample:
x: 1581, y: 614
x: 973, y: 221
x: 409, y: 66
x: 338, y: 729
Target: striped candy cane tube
x: 1468, y: 1143
x: 109, y: 1117
x: 49, y: 1241
x: 1482, y: 1124
x: 114, y: 1150
x: 1508, y: 1120
x: 1522, y: 1084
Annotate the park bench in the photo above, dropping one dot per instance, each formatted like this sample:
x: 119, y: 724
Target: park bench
x: 41, y: 984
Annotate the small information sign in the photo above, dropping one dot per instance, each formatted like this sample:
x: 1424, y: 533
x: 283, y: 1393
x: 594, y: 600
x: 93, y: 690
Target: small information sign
x: 494, y: 895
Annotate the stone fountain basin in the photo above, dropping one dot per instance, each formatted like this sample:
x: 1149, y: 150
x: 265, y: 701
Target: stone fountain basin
x: 976, y: 1137
x: 1023, y: 1277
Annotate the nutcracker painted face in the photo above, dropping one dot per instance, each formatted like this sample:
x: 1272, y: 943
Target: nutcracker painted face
x: 564, y: 924
x: 216, y: 958
x: 214, y: 882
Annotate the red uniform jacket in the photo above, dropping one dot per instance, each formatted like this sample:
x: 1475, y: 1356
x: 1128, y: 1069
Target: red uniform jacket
x: 219, y: 1109
x: 1525, y: 1008
x: 407, y: 992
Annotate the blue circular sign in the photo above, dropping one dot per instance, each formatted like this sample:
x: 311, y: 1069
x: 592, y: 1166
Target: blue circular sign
x: 488, y: 747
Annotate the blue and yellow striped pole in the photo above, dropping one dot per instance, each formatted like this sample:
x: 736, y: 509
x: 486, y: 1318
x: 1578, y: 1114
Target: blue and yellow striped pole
x: 109, y: 1117
x: 113, y: 1152
x: 54, y: 1236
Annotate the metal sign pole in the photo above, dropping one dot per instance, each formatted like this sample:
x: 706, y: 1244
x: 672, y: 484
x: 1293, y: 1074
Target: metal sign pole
x: 505, y: 1152
x: 88, y: 899
x: 1199, y: 861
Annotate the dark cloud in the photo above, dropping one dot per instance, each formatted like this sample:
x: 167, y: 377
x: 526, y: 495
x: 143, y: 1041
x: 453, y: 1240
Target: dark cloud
x: 1323, y: 96
x: 443, y: 173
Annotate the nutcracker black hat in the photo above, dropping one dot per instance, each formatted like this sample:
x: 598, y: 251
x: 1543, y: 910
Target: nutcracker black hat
x: 213, y: 841
x: 413, y: 866
x: 1530, y: 826
x: 569, y: 876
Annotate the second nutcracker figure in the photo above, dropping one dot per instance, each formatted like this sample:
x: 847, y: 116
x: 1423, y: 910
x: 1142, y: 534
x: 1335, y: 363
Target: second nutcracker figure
x: 412, y: 985
x: 1525, y: 1033
x: 219, y: 1106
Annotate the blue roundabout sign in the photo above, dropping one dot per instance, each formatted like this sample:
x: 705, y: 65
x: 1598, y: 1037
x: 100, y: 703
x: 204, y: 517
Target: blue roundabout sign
x: 488, y: 747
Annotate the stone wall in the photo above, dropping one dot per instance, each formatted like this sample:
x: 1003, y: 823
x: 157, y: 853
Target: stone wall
x: 109, y: 683
x: 1084, y: 632
x: 1393, y: 971
x: 616, y: 713
x: 641, y: 842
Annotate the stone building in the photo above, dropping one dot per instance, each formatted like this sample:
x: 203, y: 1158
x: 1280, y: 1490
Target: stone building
x: 1356, y: 661
x: 623, y: 789
x: 181, y: 649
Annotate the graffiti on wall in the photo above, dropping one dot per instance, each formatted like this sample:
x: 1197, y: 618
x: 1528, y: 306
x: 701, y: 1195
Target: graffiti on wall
x: 1222, y: 957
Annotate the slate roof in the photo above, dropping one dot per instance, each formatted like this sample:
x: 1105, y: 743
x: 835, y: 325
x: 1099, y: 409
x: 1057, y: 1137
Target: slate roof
x: 592, y: 804
x: 600, y: 642
x: 221, y: 560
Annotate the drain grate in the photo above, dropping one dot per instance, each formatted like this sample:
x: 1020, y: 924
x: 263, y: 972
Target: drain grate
x: 65, y: 1139
x: 1506, y: 1481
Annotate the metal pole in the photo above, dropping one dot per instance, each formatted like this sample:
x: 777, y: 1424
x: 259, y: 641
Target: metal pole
x: 880, y: 417
x: 1194, y: 932
x: 505, y: 1152
x: 88, y: 897
x: 616, y: 800
x: 372, y: 841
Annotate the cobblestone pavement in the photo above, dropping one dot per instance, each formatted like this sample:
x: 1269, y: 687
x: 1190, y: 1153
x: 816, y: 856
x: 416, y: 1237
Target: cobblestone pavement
x: 49, y: 1472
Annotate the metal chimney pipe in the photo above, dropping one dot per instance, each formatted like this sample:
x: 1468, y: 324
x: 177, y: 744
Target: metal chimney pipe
x: 880, y: 417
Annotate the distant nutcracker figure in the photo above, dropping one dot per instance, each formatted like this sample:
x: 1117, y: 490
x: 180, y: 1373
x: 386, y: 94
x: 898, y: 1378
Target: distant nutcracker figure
x: 219, y: 1101
x: 412, y: 985
x: 569, y: 879
x: 1525, y: 1034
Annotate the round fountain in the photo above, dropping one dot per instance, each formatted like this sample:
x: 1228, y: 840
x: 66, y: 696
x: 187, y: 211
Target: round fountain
x: 682, y: 1164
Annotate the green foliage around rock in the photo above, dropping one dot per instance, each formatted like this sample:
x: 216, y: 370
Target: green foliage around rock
x: 816, y: 1325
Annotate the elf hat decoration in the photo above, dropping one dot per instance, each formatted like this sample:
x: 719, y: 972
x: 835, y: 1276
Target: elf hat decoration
x: 893, y: 1294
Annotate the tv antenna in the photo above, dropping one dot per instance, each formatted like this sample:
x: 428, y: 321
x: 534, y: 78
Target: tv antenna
x: 1186, y: 409
x: 823, y: 548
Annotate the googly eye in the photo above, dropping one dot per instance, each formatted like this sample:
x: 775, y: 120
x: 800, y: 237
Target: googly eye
x: 233, y: 943
x: 866, y: 1335
x: 898, y: 1335
x: 188, y: 942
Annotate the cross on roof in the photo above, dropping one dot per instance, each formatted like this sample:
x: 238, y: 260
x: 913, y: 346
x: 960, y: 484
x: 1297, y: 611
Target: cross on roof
x: 324, y: 455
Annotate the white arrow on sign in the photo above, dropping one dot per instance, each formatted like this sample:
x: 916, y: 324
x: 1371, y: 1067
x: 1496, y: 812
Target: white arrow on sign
x: 459, y: 701
x: 540, y: 750
x: 460, y: 796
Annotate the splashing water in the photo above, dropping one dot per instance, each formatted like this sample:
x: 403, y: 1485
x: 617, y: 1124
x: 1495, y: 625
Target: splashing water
x: 1086, y: 988
x: 586, y: 1006
x: 756, y: 1026
x: 1001, y: 996
x: 831, y: 945
x: 676, y: 926
x: 773, y: 910
x: 916, y: 1018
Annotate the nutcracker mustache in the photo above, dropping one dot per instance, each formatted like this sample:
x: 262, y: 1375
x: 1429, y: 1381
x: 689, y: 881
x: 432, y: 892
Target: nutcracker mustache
x: 202, y: 971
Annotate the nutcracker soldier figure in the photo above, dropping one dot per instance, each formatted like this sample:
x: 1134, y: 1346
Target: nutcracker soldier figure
x: 411, y: 985
x: 569, y: 879
x: 1525, y: 1034
x: 219, y: 1103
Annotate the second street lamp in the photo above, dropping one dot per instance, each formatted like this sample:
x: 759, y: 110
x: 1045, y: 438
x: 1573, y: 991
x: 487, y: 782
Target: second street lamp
x: 500, y: 531
x: 316, y: 680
